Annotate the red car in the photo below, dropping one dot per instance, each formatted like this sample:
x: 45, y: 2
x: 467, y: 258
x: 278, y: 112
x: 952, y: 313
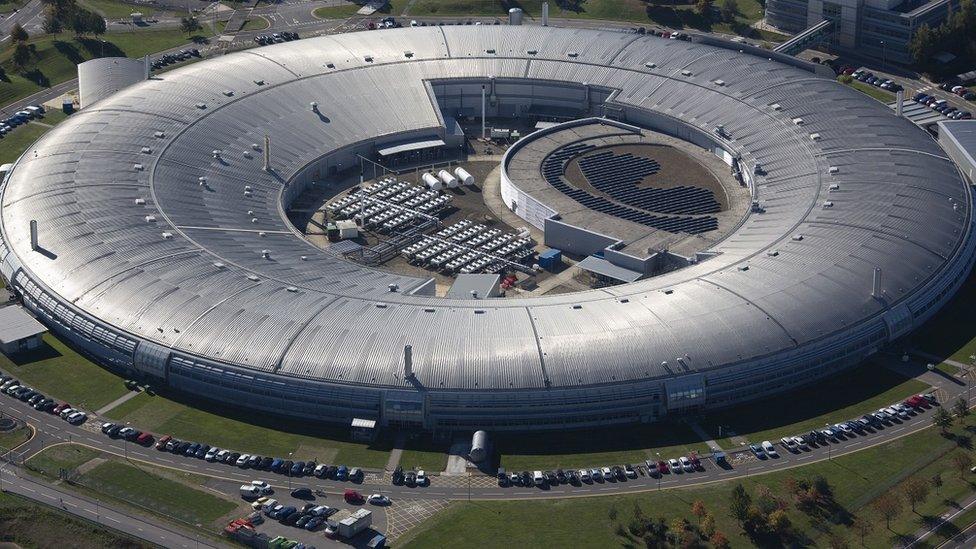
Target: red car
x: 144, y: 439
x: 695, y: 462
x: 352, y: 496
x: 161, y: 443
x: 60, y: 407
x: 663, y: 466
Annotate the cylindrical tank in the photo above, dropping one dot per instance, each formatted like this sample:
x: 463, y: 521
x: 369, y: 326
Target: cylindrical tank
x: 463, y: 176
x: 432, y: 182
x: 515, y: 16
x: 479, y: 446
x: 449, y: 180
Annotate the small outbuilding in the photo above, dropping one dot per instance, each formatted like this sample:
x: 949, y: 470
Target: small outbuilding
x: 475, y: 286
x: 19, y: 331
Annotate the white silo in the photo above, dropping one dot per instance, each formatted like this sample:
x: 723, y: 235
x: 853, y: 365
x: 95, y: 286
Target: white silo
x: 463, y: 176
x: 449, y: 180
x: 431, y: 181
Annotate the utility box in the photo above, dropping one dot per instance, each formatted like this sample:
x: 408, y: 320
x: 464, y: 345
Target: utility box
x: 348, y: 524
x: 551, y: 259
x: 332, y: 232
x: 347, y: 229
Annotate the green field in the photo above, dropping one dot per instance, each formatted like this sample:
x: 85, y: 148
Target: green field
x: 168, y: 493
x: 28, y: 524
x: 335, y: 12
x: 117, y: 10
x: 610, y: 445
x: 856, y: 481
x: 59, y: 371
x: 252, y: 24
x: 11, y: 5
x: 12, y: 439
x: 16, y: 142
x: 851, y: 394
x: 56, y: 56
x: 875, y: 92
x: 249, y: 432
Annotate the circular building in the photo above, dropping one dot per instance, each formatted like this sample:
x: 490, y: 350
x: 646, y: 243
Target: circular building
x: 162, y: 247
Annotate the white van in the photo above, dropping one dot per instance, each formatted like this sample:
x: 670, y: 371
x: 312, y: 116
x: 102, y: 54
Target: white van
x: 249, y: 491
x: 538, y: 478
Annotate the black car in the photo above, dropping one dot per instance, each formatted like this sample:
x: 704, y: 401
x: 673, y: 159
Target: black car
x: 309, y: 468
x: 27, y: 395
x: 231, y: 458
x: 291, y: 519
x: 133, y: 434
x: 397, y: 475
x: 307, y: 507
x: 526, y: 478
x: 181, y: 447
x: 108, y: 427
x: 202, y: 451
x: 297, y: 468
x: 286, y: 466
x: 331, y: 470
x: 551, y: 477
x: 302, y: 493
x: 35, y: 399
x: 266, y: 463
x: 254, y: 462
x: 410, y: 478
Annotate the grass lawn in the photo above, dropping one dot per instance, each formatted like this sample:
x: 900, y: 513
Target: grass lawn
x: 56, y: 56
x: 150, y: 490
x: 249, y: 432
x: 168, y: 493
x: 947, y: 368
x: 253, y: 24
x: 856, y: 481
x: 423, y: 453
x: 62, y: 373
x: 12, y: 439
x: 877, y: 93
x: 336, y: 12
x: 117, y: 10
x: 16, y: 142
x: 27, y: 524
x: 597, y: 447
x: 952, y: 332
x: 850, y: 394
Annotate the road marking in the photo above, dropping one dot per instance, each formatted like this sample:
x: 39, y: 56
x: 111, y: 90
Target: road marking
x: 113, y: 519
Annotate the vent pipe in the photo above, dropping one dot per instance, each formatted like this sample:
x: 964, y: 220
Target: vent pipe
x: 899, y: 102
x: 482, y: 111
x: 407, y: 361
x: 267, y: 153
x: 147, y: 65
x: 545, y: 14
x: 33, y: 235
x: 876, y: 290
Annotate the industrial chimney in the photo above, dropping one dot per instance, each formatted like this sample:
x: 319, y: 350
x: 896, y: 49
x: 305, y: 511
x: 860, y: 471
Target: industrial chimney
x: 33, y: 235
x: 407, y: 361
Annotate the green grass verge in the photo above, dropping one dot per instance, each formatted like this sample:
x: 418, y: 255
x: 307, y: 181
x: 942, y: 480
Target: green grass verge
x: 253, y: 24
x: 868, y: 89
x: 16, y: 142
x: 12, y: 439
x: 423, y: 453
x: 167, y: 493
x: 249, y: 432
x: 28, y: 524
x: 335, y: 12
x: 596, y: 447
x: 856, y: 480
x: 56, y: 56
x: 117, y: 10
x: 851, y: 394
x: 57, y: 370
x: 947, y: 368
x: 9, y: 6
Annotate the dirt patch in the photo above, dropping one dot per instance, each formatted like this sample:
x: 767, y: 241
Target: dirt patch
x: 676, y: 169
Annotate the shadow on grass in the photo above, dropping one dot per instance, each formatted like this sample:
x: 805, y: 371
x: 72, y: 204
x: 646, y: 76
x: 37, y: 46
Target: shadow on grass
x: 952, y: 328
x: 44, y: 352
x: 36, y: 76
x: 69, y: 51
x: 100, y: 48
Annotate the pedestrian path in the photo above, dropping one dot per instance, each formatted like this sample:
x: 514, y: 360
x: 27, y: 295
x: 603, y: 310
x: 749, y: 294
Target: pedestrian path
x: 712, y: 445
x: 398, y: 443
x: 936, y: 359
x: 124, y: 398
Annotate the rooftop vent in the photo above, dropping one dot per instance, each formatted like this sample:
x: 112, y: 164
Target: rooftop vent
x: 815, y: 136
x: 798, y: 121
x: 833, y: 169
x: 720, y: 82
x: 408, y: 54
x: 828, y: 204
x: 429, y: 310
x: 220, y: 265
x: 253, y: 278
x: 381, y: 305
x: 798, y: 237
x: 577, y: 306
x: 304, y: 258
x: 330, y: 65
x: 259, y: 82
x: 146, y: 150
x: 532, y: 52
x: 167, y: 236
x: 833, y: 187
x: 266, y: 254
x: 667, y: 291
x: 743, y: 267
x: 262, y: 234
x: 369, y: 58
x: 150, y: 219
x: 776, y: 107
x: 202, y: 180
x: 573, y: 54
x: 686, y: 72
x: 292, y: 289
x: 140, y: 201
x: 159, y: 135
x: 394, y: 287
x: 229, y: 93
x: 490, y: 51
x: 137, y: 167
x: 772, y: 253
x: 201, y: 105
x: 650, y: 65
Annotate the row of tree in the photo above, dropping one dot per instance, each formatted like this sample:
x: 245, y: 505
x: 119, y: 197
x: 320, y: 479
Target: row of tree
x: 680, y: 532
x: 61, y: 15
x: 956, y: 35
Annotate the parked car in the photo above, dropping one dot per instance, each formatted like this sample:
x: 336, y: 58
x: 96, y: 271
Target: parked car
x: 378, y: 499
x: 242, y: 460
x: 163, y: 440
x: 263, y: 486
x: 302, y: 493
x: 675, y: 465
x: 144, y: 439
x: 353, y: 497
x: 76, y: 418
x: 769, y: 448
x: 421, y: 478
x: 758, y: 451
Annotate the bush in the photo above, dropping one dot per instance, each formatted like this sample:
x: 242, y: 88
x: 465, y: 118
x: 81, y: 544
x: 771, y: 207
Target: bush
x: 845, y: 79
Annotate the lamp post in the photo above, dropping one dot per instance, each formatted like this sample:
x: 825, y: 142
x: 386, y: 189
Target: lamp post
x: 883, y: 60
x: 659, y: 472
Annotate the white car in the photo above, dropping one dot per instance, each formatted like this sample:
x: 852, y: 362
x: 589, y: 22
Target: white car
x: 421, y: 478
x: 596, y: 475
x: 250, y: 492
x: 263, y: 486
x: 320, y: 510
x: 584, y: 475
x: 77, y: 418
x: 243, y: 459
x: 319, y: 469
x: 607, y: 473
x: 800, y: 443
x: 686, y: 464
x: 674, y: 465
x: 769, y: 448
x: 222, y: 455
x: 212, y: 454
x: 378, y: 499
x: 789, y: 444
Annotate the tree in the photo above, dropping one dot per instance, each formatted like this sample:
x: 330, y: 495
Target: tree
x: 52, y: 24
x: 960, y: 408
x: 22, y: 55
x: 888, y: 505
x: 678, y: 527
x: 729, y: 9
x: 739, y: 505
x: 707, y: 526
x: 942, y: 420
x: 95, y: 23
x: 923, y: 43
x: 820, y: 488
x: 189, y: 24
x: 916, y: 490
x: 863, y: 527
x: 962, y: 463
x: 703, y: 7
x: 698, y: 509
x: 18, y: 34
x: 719, y: 540
x: 779, y: 522
x: 937, y: 482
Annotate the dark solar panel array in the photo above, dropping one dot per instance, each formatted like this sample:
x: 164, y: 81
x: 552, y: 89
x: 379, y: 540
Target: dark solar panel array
x: 618, y: 176
x: 554, y: 166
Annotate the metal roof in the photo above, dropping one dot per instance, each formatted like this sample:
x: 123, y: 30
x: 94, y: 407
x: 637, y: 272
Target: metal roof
x: 603, y: 267
x: 206, y: 291
x: 411, y: 146
x: 16, y: 324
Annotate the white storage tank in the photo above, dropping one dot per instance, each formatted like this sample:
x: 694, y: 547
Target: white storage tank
x: 479, y: 447
x: 432, y: 182
x: 515, y: 16
x: 463, y: 176
x: 449, y: 180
